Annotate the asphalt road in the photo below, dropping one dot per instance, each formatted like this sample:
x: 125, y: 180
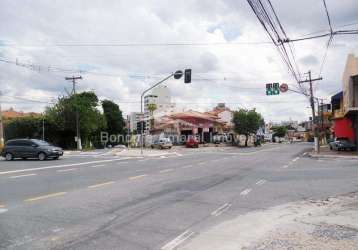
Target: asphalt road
x: 106, y: 202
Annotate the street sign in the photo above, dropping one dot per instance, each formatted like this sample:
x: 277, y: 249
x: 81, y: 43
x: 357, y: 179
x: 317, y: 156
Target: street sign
x: 178, y: 74
x: 283, y: 87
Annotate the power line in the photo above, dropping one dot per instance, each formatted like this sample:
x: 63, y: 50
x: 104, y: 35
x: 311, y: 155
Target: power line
x: 328, y: 17
x: 176, y: 44
x: 324, y: 30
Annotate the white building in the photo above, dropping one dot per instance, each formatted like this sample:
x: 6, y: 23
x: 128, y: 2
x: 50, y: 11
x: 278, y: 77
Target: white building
x: 134, y: 118
x: 161, y: 97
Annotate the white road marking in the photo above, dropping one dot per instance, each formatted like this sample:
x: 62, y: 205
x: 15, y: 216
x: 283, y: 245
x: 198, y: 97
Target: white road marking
x: 142, y: 160
x: 67, y: 170
x: 305, y: 153
x: 201, y: 163
x: 261, y: 182
x: 163, y: 157
x: 178, y: 154
x: 188, y: 166
x: 101, y: 184
x: 166, y: 170
x: 221, y: 209
x: 3, y: 210
x: 19, y: 176
x: 57, y: 166
x: 296, y: 159
x: 178, y: 240
x: 285, y: 166
x: 97, y: 166
x: 45, y: 196
x: 137, y: 177
x: 246, y: 192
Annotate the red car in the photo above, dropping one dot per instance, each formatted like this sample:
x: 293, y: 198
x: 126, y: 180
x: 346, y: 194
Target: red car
x: 192, y: 143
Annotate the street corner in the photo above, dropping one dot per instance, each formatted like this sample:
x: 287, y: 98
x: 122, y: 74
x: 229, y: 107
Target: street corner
x: 326, y: 152
x: 330, y: 223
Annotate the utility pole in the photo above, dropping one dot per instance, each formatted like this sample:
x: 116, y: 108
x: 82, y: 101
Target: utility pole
x: 43, y: 126
x: 323, y: 139
x: 1, y: 126
x: 78, y: 136
x: 314, y: 120
x: 128, y: 132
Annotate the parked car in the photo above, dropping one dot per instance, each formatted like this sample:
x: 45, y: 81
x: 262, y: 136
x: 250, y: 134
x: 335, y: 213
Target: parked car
x: 192, y: 142
x: 30, y: 148
x: 162, y: 143
x: 342, y: 144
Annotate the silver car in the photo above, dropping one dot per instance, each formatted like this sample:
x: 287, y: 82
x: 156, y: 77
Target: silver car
x: 162, y: 143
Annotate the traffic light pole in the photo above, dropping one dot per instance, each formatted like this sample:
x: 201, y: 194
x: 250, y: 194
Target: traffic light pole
x: 141, y: 110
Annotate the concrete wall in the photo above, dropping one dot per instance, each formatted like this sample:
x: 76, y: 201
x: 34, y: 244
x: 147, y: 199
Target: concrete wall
x: 351, y: 69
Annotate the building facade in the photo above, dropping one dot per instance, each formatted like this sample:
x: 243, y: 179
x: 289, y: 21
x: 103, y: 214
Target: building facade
x: 345, y: 103
x: 160, y: 99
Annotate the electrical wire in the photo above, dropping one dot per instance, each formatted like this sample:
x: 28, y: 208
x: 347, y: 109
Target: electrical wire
x: 328, y: 17
x: 176, y: 44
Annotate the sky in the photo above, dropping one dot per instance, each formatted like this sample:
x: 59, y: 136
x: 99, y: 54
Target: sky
x: 231, y: 56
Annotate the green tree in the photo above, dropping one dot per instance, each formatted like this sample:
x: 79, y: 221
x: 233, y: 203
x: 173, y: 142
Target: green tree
x: 23, y: 127
x: 114, y: 117
x: 280, y: 131
x: 151, y: 107
x: 62, y: 118
x: 247, y: 122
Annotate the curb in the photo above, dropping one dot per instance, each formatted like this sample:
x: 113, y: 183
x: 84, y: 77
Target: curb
x: 333, y: 156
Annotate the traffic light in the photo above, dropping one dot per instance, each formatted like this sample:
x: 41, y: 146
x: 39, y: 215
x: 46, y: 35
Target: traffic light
x: 269, y: 89
x: 140, y: 125
x: 187, y: 76
x: 276, y: 88
x: 273, y: 88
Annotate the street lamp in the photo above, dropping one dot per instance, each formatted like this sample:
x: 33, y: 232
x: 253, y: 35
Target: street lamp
x: 177, y: 75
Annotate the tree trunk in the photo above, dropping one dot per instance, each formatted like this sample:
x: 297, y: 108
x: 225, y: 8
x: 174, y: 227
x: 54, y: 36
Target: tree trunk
x: 247, y: 138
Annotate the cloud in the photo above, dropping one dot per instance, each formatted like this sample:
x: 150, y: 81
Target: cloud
x: 309, y: 60
x: 220, y: 73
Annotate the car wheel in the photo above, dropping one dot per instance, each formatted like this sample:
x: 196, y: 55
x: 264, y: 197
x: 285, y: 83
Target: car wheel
x: 152, y: 147
x: 9, y: 157
x: 42, y: 156
x: 330, y: 147
x: 24, y: 158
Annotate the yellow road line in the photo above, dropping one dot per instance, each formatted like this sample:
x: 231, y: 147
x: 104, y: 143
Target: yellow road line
x: 45, y: 196
x: 166, y: 170
x: 137, y: 177
x: 101, y: 184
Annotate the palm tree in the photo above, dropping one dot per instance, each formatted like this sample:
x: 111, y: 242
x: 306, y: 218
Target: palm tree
x: 151, y: 107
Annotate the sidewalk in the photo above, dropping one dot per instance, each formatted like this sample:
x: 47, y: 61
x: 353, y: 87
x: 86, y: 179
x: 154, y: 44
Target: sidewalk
x: 312, y: 224
x: 325, y: 152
